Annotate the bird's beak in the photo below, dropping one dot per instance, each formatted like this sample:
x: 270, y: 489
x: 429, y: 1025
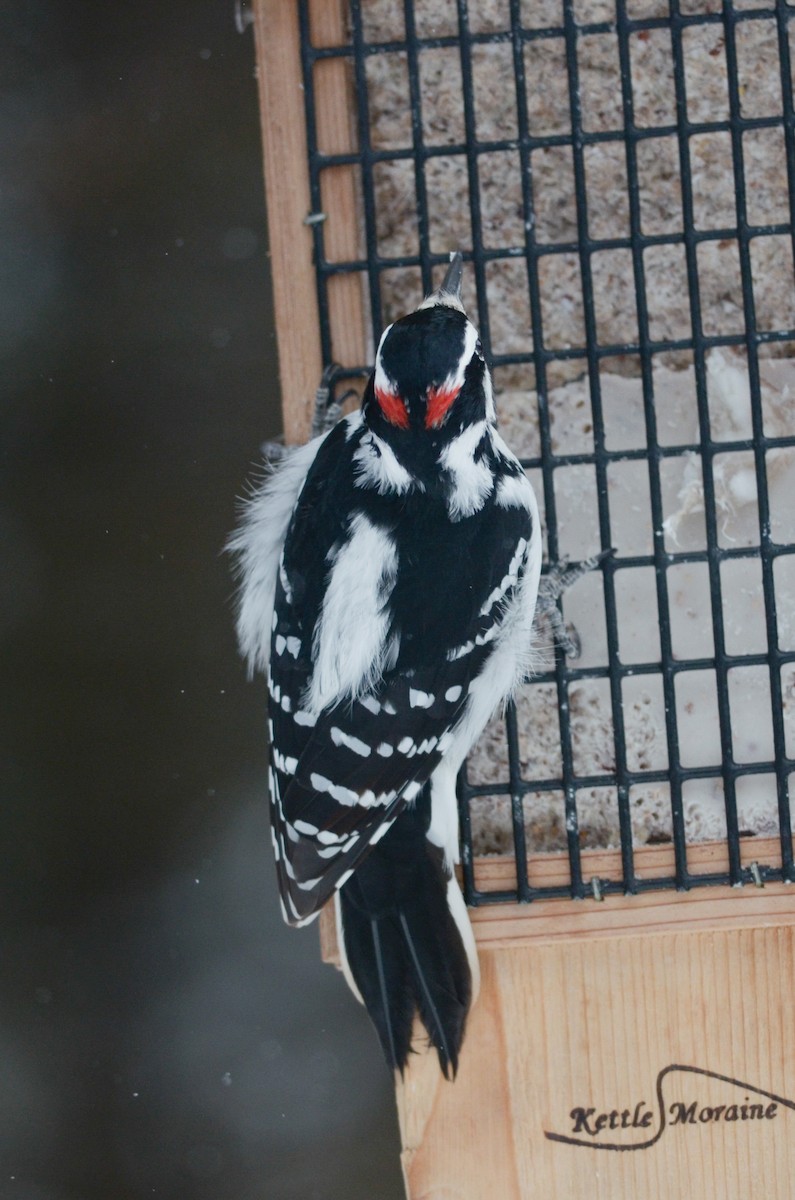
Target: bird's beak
x: 451, y: 284
x: 449, y: 291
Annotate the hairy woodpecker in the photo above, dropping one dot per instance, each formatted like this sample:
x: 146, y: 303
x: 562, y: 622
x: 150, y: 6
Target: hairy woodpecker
x: 389, y: 572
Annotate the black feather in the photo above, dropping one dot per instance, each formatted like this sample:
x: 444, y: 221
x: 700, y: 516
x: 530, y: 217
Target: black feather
x: 376, y: 956
x: 403, y: 947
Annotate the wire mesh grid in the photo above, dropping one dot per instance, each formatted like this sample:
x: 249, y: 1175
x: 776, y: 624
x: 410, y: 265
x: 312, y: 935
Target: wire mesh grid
x: 518, y: 28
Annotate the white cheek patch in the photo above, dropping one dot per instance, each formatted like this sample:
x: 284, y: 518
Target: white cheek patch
x: 382, y: 380
x: 376, y: 466
x: 471, y: 482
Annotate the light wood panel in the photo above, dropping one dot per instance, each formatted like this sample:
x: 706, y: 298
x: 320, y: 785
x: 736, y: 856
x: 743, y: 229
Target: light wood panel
x: 287, y: 194
x: 626, y: 1029
x: 466, y: 1122
x: 631, y: 1005
x: 498, y: 925
x: 283, y: 120
x: 342, y: 227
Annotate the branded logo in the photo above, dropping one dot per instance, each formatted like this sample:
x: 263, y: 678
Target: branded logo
x: 591, y: 1127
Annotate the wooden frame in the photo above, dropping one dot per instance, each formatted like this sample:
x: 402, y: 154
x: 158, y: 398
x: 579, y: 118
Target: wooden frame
x: 498, y: 926
x: 289, y: 204
x: 581, y: 1011
x: 631, y: 1009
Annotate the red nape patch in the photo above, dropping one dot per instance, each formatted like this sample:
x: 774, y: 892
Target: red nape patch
x: 439, y: 402
x: 393, y: 408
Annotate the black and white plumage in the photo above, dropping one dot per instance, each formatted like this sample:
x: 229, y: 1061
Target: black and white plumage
x: 389, y: 573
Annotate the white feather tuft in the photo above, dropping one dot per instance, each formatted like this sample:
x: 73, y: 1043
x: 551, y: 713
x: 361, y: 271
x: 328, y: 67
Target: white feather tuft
x: 257, y: 545
x: 351, y: 648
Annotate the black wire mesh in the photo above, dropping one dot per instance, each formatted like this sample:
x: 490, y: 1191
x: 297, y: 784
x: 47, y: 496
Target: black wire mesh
x: 669, y: 666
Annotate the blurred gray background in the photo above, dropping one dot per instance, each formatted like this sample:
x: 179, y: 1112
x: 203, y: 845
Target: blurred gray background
x: 162, y: 1033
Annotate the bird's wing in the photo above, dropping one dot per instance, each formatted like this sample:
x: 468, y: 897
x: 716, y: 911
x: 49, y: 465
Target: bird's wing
x: 339, y: 780
x: 362, y: 762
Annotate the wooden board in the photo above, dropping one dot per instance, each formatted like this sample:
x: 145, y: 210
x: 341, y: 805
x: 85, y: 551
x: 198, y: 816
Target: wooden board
x: 650, y: 912
x: 287, y: 195
x: 647, y: 1012
x: 675, y: 1038
x: 288, y: 198
x: 504, y: 925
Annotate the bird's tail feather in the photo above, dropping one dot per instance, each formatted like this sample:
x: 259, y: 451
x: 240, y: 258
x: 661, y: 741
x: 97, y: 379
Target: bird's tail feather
x: 403, y: 945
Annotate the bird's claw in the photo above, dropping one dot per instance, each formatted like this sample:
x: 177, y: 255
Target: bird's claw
x: 552, y: 586
x: 328, y: 409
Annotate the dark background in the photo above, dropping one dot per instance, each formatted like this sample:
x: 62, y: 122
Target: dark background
x: 163, y: 1034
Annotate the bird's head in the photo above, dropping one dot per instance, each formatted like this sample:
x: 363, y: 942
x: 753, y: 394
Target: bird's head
x: 430, y: 380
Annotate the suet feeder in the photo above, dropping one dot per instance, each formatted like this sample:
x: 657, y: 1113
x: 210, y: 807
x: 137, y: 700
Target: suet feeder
x: 621, y: 179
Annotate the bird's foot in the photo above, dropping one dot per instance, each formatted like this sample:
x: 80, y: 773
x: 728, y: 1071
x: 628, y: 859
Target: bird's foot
x: 552, y: 586
x: 325, y: 414
x: 328, y: 409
